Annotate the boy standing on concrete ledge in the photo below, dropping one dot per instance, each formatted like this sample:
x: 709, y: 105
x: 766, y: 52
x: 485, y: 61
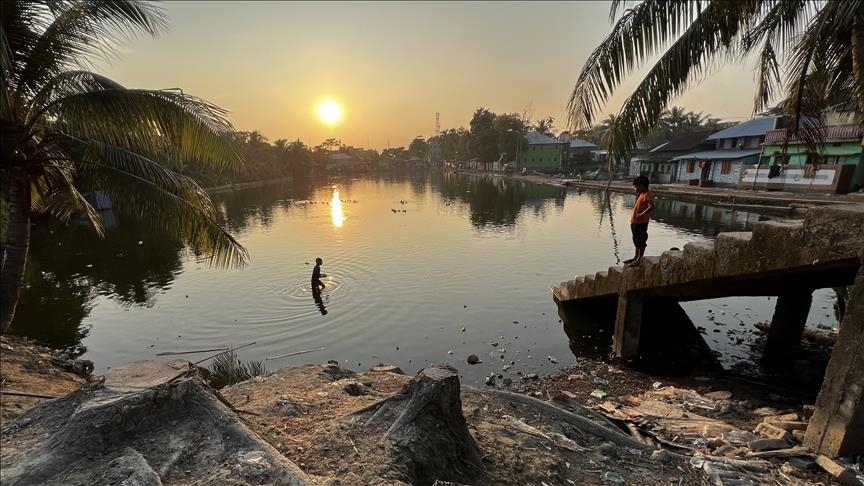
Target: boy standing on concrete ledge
x: 639, y: 221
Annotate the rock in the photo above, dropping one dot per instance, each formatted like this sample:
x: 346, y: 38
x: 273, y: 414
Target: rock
x: 613, y: 477
x: 600, y: 381
x: 808, y: 411
x: 494, y: 344
x: 508, y: 382
x: 490, y: 380
x: 798, y: 435
x: 662, y: 456
x: 552, y: 359
x: 767, y: 444
x: 530, y: 376
x: 608, y: 449
x: 82, y: 367
x: 770, y: 431
x: 384, y: 368
x: 473, y: 359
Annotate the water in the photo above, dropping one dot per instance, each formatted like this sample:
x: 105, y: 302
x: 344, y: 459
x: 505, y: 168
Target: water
x: 470, y: 252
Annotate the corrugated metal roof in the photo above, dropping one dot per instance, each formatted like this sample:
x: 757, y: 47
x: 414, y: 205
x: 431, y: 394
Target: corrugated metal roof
x: 536, y: 138
x: 749, y: 128
x: 579, y: 143
x: 718, y: 154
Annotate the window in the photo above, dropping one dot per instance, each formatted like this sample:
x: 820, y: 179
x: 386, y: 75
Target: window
x: 727, y: 143
x: 726, y: 168
x: 691, y: 166
x: 833, y: 160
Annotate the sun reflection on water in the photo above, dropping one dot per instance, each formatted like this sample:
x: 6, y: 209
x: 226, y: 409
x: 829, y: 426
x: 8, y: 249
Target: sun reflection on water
x: 336, y: 210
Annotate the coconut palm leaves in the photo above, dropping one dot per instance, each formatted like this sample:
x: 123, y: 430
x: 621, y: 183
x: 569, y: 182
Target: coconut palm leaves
x: 819, y: 46
x: 66, y: 130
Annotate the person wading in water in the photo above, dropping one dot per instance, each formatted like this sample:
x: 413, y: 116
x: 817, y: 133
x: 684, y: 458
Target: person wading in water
x: 317, y: 284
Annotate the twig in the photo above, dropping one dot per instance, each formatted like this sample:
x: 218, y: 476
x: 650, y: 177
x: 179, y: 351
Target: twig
x: 223, y: 352
x: 295, y: 353
x: 25, y: 394
x: 352, y: 445
x: 173, y: 353
x: 232, y: 407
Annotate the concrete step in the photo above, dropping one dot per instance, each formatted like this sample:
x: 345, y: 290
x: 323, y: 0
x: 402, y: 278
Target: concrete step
x: 699, y: 260
x: 734, y: 255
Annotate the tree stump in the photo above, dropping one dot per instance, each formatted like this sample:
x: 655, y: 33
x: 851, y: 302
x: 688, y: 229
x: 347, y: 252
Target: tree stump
x: 428, y: 435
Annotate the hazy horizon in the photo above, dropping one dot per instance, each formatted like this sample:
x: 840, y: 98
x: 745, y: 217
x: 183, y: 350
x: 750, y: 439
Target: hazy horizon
x: 390, y: 65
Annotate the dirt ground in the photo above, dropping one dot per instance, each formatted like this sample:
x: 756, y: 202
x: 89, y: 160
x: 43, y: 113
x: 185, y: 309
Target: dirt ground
x: 318, y: 417
x: 27, y: 367
x: 310, y: 415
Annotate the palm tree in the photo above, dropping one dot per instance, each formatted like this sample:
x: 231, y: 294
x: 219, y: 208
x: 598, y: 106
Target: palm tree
x: 819, y: 45
x: 65, y: 131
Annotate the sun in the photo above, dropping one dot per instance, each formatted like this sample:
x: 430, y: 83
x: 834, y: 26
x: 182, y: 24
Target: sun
x: 329, y: 112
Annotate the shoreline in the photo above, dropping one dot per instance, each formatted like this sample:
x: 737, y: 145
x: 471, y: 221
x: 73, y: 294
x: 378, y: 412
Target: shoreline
x: 245, y: 185
x: 737, y: 198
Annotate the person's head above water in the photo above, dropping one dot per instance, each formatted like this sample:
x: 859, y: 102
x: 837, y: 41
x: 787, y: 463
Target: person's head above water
x: 319, y: 261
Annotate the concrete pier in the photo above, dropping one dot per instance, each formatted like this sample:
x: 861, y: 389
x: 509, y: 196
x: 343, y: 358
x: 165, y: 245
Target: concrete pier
x: 788, y: 259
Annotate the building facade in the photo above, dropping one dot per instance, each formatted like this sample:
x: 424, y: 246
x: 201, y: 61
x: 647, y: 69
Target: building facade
x: 787, y: 164
x: 734, y: 148
x: 540, y: 153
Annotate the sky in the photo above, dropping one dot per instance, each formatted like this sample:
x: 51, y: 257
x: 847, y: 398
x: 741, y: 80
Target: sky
x: 390, y: 65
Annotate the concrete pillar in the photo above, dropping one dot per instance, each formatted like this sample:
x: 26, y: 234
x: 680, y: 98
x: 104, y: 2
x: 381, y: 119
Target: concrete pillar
x: 787, y: 325
x: 837, y: 425
x: 628, y: 327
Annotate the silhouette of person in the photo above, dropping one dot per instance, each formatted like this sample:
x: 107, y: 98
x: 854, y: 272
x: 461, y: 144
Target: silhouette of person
x: 317, y: 284
x: 316, y: 296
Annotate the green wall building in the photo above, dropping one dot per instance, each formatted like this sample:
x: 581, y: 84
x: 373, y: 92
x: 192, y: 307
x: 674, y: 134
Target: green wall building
x: 540, y: 152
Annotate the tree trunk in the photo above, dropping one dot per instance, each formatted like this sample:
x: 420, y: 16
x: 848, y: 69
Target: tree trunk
x: 15, y: 247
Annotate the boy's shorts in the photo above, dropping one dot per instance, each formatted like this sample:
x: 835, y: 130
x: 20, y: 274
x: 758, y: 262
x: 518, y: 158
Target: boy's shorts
x: 640, y: 234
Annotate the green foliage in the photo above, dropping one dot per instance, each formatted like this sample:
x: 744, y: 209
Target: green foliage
x: 483, y: 144
x: 418, y: 148
x: 227, y: 369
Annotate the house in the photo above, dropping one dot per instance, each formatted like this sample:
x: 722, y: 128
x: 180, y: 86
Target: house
x: 788, y: 165
x: 659, y: 164
x: 578, y: 155
x: 735, y: 148
x: 540, y: 152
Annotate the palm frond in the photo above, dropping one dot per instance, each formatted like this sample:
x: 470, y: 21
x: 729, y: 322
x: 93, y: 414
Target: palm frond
x: 712, y: 34
x: 767, y: 77
x: 147, y: 190
x: 641, y: 33
x: 65, y: 84
x: 167, y: 125
x: 55, y: 194
x: 76, y: 31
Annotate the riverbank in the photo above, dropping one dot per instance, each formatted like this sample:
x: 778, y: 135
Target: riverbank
x: 711, y: 195
x: 247, y: 185
x: 594, y: 423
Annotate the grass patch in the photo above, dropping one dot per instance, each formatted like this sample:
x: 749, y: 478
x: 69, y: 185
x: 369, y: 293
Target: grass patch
x: 227, y: 369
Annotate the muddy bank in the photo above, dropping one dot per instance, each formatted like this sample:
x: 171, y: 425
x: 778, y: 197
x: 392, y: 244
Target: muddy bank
x: 29, y: 368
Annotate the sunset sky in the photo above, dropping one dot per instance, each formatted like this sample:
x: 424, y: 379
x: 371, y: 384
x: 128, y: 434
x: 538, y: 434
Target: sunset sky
x: 390, y: 65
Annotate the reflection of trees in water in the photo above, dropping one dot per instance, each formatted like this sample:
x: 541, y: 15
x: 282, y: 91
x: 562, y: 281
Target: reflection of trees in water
x: 240, y: 209
x: 69, y: 266
x: 494, y: 201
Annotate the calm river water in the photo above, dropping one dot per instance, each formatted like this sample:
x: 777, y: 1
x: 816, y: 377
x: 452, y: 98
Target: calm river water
x: 424, y: 267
